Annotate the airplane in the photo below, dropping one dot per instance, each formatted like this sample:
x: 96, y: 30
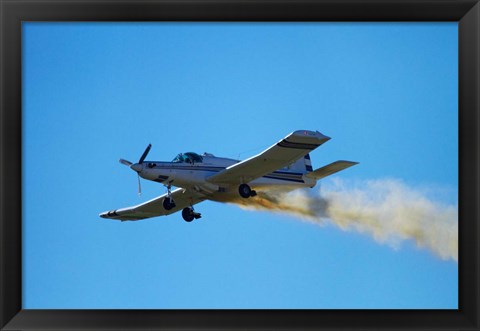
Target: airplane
x: 285, y: 166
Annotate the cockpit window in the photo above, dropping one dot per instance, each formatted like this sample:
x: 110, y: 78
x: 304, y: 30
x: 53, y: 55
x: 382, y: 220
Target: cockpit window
x: 188, y: 157
x: 177, y: 158
x: 195, y: 157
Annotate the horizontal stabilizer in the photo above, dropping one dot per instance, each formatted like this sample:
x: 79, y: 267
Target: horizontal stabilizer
x: 330, y: 169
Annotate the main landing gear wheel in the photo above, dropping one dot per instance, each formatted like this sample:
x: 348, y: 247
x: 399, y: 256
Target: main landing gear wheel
x: 189, y: 214
x: 168, y: 203
x: 245, y: 191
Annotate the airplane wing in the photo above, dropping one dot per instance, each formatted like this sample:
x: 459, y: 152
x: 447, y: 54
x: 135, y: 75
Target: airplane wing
x: 294, y: 146
x: 153, y: 208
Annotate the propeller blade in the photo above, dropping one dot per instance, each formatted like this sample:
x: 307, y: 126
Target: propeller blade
x: 125, y: 162
x: 144, y: 155
x: 139, y: 186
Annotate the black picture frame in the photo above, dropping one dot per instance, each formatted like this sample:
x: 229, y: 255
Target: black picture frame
x: 14, y: 12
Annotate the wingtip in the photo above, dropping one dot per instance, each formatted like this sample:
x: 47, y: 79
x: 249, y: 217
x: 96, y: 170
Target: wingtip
x: 351, y: 163
x: 322, y: 136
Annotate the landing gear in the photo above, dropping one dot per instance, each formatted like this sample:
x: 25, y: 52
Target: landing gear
x: 245, y: 191
x: 168, y: 202
x: 189, y: 214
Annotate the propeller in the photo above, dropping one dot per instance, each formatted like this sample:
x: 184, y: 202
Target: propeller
x: 137, y: 167
x: 144, y: 155
x: 125, y: 162
x: 139, y: 186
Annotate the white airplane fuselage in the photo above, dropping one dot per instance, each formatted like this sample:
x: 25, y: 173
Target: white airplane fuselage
x: 194, y: 175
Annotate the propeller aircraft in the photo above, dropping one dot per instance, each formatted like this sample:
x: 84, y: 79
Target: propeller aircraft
x: 286, y: 166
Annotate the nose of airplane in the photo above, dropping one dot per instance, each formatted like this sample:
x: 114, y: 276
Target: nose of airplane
x: 137, y: 167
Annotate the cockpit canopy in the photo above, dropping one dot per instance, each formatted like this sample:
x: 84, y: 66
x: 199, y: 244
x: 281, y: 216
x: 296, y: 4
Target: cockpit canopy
x: 188, y: 157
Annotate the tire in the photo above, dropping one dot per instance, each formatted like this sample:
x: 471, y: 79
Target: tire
x: 168, y: 204
x: 244, y: 190
x: 187, y: 214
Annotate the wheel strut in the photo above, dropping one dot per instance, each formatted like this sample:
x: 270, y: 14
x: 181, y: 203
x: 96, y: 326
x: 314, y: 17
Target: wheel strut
x: 169, y: 190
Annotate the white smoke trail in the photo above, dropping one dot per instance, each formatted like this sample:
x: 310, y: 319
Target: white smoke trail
x: 387, y: 209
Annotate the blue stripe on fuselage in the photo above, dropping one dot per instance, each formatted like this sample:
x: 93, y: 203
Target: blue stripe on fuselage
x: 279, y: 175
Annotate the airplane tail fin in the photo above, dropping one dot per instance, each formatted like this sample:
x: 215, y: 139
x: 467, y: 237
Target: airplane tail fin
x: 329, y: 169
x: 303, y: 165
x: 308, y: 163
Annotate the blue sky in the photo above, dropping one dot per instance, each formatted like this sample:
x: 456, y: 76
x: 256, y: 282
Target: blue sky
x: 95, y: 92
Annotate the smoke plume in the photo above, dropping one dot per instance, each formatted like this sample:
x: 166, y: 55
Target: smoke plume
x: 387, y: 210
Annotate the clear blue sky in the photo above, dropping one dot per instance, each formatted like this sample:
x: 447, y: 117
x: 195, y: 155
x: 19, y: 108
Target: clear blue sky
x: 96, y: 92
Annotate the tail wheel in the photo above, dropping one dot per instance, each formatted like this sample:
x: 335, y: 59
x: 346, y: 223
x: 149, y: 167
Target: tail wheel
x: 168, y: 203
x: 188, y: 214
x: 245, y: 191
